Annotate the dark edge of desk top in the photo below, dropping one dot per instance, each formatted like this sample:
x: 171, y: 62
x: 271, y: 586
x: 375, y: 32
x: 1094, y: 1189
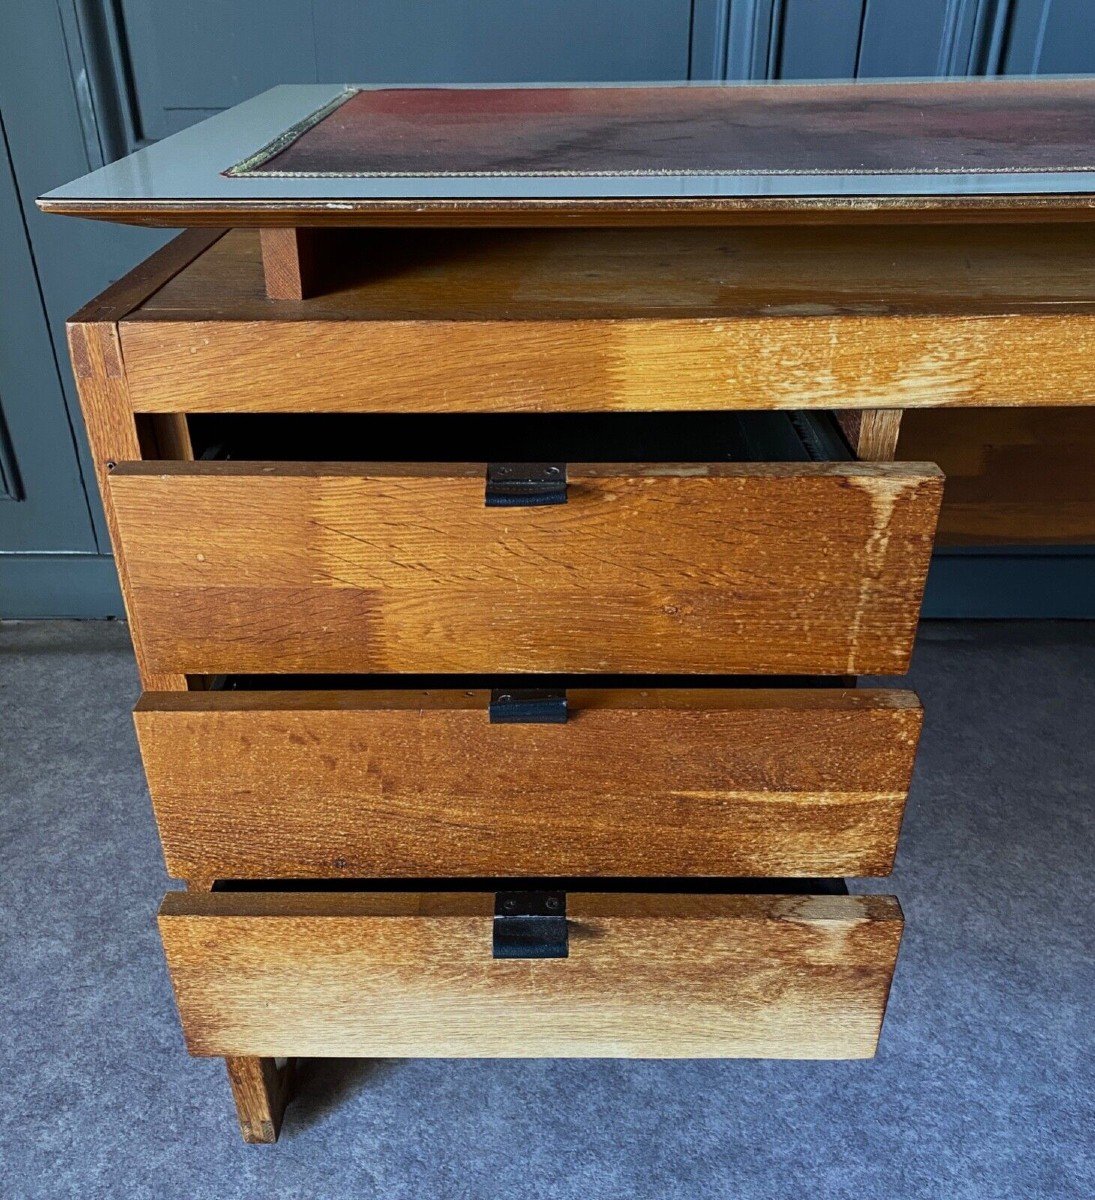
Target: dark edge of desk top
x: 807, y: 210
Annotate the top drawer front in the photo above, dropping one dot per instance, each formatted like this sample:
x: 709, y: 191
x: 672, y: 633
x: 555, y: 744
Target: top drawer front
x: 727, y: 568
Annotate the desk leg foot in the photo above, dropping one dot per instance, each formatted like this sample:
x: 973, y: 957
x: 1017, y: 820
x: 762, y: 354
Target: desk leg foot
x: 261, y: 1088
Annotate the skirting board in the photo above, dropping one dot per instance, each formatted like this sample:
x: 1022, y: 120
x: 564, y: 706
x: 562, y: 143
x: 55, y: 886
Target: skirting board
x: 58, y: 586
x: 1018, y: 582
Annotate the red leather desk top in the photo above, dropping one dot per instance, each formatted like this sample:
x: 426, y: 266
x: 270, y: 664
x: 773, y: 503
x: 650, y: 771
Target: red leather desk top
x: 908, y: 129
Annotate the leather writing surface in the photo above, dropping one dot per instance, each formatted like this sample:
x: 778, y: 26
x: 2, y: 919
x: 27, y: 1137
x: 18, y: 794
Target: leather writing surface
x: 776, y: 129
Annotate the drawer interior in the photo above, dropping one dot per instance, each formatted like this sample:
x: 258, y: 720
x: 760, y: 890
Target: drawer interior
x: 413, y: 682
x: 364, y: 972
x: 521, y: 437
x: 635, y: 885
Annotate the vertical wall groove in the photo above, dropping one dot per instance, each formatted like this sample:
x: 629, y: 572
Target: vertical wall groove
x: 748, y: 39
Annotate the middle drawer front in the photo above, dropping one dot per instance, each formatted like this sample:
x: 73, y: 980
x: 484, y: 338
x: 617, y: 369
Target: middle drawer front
x: 782, y: 568
x: 715, y: 782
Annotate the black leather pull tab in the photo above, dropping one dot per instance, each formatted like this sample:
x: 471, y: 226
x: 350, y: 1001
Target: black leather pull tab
x: 522, y: 485
x: 530, y: 925
x: 528, y: 706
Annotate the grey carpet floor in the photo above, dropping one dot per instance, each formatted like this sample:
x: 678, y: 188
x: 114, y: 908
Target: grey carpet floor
x: 982, y: 1088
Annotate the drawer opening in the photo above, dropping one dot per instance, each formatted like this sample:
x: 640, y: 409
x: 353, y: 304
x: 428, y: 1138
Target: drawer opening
x: 413, y: 683
x: 520, y: 437
x: 694, y: 886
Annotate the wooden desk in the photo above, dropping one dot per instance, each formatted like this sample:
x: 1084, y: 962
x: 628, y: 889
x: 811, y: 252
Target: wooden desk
x: 502, y: 547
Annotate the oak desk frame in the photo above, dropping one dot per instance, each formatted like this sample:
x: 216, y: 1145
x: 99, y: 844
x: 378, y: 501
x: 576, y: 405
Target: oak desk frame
x: 295, y: 217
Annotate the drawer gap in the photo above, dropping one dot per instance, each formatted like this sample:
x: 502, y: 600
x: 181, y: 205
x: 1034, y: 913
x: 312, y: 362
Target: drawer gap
x: 413, y: 682
x: 683, y: 885
x: 519, y: 437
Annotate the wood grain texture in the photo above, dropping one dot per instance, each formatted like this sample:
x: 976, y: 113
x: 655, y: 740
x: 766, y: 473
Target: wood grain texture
x: 268, y: 785
x: 112, y: 436
x: 99, y: 370
x: 872, y: 433
x: 411, y: 975
x: 1014, y: 476
x: 615, y: 320
x: 575, y: 274
x: 137, y: 286
x: 722, y: 568
x: 261, y: 1089
x: 289, y: 263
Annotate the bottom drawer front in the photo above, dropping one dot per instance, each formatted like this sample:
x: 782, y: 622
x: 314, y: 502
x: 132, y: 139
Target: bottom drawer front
x: 411, y: 975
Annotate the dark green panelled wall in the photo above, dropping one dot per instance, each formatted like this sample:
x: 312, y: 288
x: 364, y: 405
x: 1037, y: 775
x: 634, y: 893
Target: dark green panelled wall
x: 84, y: 81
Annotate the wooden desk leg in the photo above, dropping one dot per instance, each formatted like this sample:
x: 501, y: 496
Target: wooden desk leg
x: 290, y: 262
x: 261, y: 1090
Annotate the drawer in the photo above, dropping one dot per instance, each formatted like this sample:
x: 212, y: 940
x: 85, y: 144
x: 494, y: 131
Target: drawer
x: 736, y: 568
x: 717, y: 782
x: 366, y: 974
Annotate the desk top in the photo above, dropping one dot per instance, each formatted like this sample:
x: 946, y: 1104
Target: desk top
x: 611, y: 154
